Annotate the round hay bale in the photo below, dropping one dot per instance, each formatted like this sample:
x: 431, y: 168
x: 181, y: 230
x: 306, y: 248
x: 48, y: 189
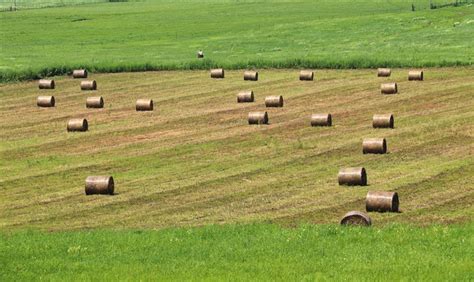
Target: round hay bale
x: 77, y: 124
x: 217, y: 73
x: 258, y: 118
x: 374, y: 146
x: 88, y: 85
x: 79, y: 73
x: 274, y: 101
x: 100, y: 185
x: 94, y: 102
x: 352, y: 176
x: 356, y: 218
x: 383, y: 121
x: 306, y: 75
x: 415, y: 75
x: 200, y: 54
x: 245, y: 97
x: 251, y: 75
x: 144, y: 105
x: 384, y: 72
x: 389, y: 88
x: 45, y: 101
x: 46, y: 84
x: 381, y: 201
x: 321, y: 120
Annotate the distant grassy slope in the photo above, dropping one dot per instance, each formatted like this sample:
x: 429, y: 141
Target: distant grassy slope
x: 195, y: 160
x: 235, y: 34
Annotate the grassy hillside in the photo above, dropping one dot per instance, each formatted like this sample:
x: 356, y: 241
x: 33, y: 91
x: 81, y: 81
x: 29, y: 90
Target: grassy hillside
x: 152, y: 35
x: 195, y: 160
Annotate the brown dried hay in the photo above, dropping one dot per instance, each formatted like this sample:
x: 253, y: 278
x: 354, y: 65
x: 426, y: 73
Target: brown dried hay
x: 45, y: 101
x: 77, y: 124
x: 356, y: 218
x: 144, y: 105
x: 245, y: 97
x: 384, y: 72
x: 95, y: 102
x: 381, y: 201
x: 46, y: 84
x: 374, y: 146
x: 306, y: 75
x: 258, y: 118
x: 415, y: 75
x: 321, y: 120
x: 217, y: 73
x: 200, y: 54
x: 274, y: 101
x: 352, y: 176
x: 251, y: 75
x: 383, y: 121
x: 79, y: 73
x: 88, y: 85
x: 389, y: 88
x: 100, y: 185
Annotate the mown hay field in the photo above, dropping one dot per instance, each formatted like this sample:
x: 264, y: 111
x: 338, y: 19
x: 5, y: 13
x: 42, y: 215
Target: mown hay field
x: 194, y: 160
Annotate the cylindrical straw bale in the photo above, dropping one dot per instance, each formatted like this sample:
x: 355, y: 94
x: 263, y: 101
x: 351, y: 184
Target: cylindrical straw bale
x: 100, y: 185
x: 389, y: 88
x: 251, y: 75
x: 352, y: 176
x: 383, y: 121
x: 45, y: 101
x: 384, y: 72
x: 374, y: 146
x: 415, y: 75
x: 321, y: 120
x: 46, y: 84
x: 356, y: 218
x: 88, y: 85
x: 79, y: 73
x: 217, y: 73
x: 94, y: 102
x: 381, y: 201
x: 200, y: 54
x: 144, y: 105
x: 77, y: 124
x: 274, y: 101
x: 258, y: 118
x: 306, y: 75
x: 245, y: 97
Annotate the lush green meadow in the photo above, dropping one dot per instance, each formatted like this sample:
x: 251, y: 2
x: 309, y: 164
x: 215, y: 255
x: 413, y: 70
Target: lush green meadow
x: 113, y: 37
x: 242, y: 253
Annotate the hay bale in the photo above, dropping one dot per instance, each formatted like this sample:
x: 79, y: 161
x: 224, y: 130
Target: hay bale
x: 356, y: 218
x: 381, y: 201
x: 274, y: 101
x: 46, y: 84
x: 384, y: 72
x: 321, y: 120
x: 217, y: 73
x: 251, y: 75
x: 144, y: 105
x: 79, y: 73
x: 383, y: 121
x: 415, y: 75
x: 200, y: 54
x: 389, y: 88
x: 77, y: 124
x: 245, y: 97
x: 100, y: 185
x: 352, y: 176
x: 306, y: 75
x: 88, y: 85
x: 374, y: 146
x: 45, y: 101
x: 258, y: 118
x: 95, y: 102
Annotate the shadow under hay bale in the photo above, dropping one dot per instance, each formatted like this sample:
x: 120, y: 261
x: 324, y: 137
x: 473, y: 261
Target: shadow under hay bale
x: 77, y: 124
x: 274, y: 101
x: 374, y: 146
x: 389, y: 88
x: 381, y: 201
x: 79, y: 73
x: 101, y: 185
x: 88, y: 85
x: 356, y: 218
x: 352, y: 176
x: 258, y: 118
x: 217, y: 73
x: 383, y: 121
x: 415, y: 75
x: 321, y: 120
x: 251, y: 75
x: 384, y: 72
x: 306, y: 75
x: 245, y: 97
x: 46, y: 84
x: 45, y: 101
x: 144, y: 105
x: 94, y: 102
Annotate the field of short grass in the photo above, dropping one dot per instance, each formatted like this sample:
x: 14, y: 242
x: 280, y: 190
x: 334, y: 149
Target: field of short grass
x: 134, y: 36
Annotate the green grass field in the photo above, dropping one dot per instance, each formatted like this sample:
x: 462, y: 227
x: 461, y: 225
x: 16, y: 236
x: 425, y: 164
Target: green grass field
x: 113, y: 37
